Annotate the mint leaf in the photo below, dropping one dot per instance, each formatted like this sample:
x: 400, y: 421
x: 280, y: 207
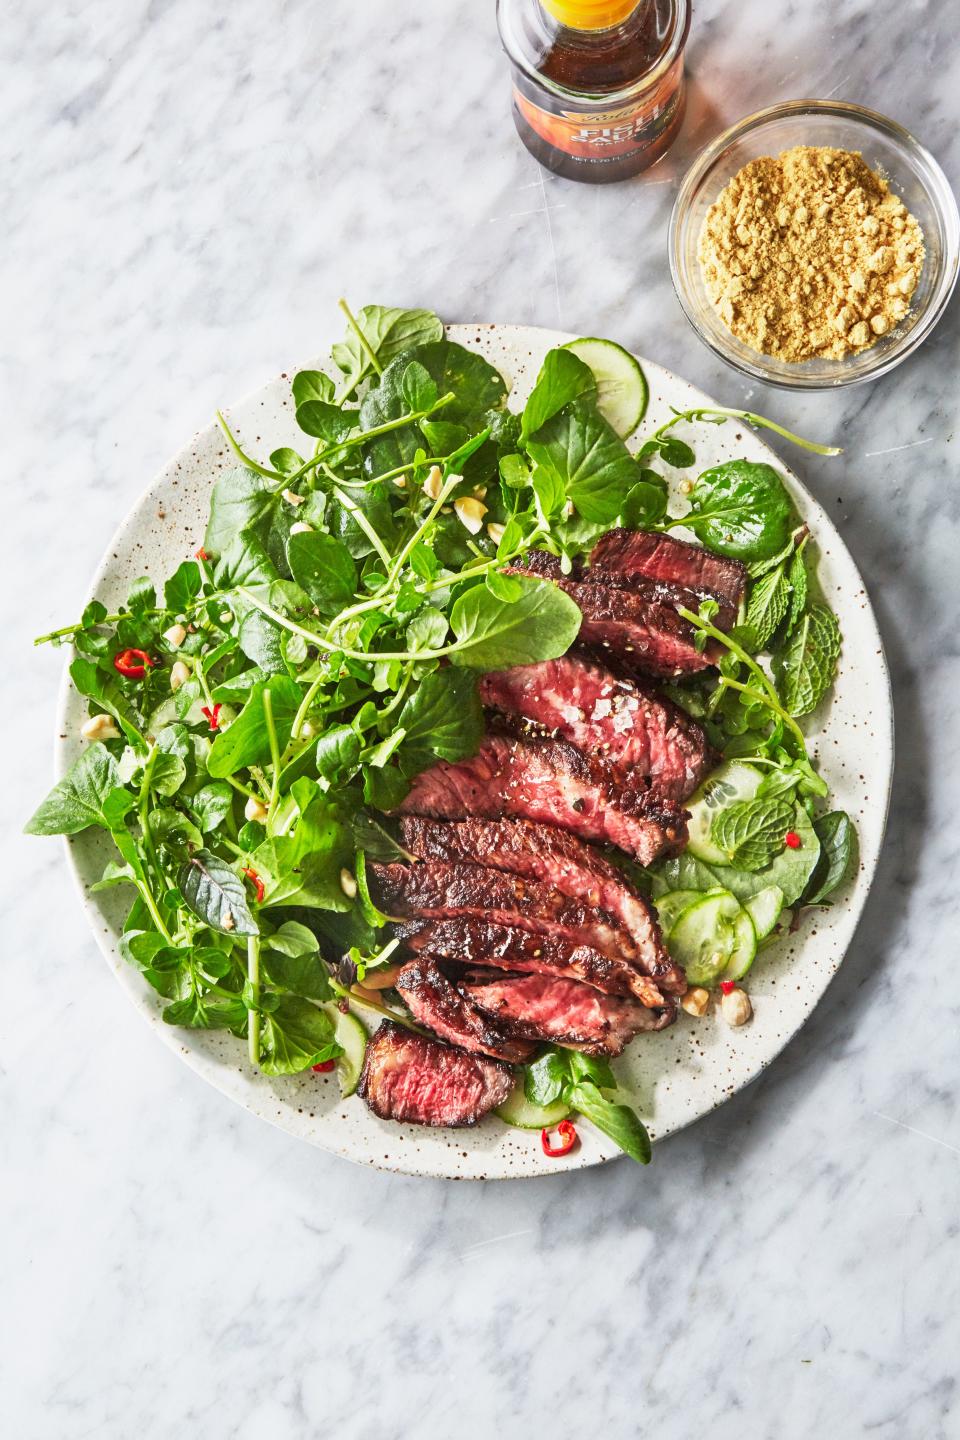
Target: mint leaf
x: 768, y: 605
x: 751, y: 832
x: 805, y: 667
x: 797, y: 580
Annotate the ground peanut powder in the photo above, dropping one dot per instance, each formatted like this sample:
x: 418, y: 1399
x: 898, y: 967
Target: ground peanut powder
x: 810, y: 254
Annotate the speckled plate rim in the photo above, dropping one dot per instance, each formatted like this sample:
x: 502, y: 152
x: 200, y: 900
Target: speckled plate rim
x: 310, y: 1108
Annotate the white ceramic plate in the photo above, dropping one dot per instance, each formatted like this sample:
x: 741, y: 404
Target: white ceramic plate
x: 676, y: 1076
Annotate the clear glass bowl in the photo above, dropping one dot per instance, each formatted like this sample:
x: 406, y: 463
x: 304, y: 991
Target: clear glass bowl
x: 911, y: 172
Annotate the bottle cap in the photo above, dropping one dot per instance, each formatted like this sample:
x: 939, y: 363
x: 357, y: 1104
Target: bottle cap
x: 590, y: 14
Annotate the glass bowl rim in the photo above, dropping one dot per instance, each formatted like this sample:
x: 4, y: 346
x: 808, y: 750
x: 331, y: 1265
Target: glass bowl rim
x: 930, y: 175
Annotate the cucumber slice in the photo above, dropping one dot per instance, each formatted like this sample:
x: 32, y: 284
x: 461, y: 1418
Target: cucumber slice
x: 517, y: 1110
x: 714, y: 938
x: 732, y: 782
x: 764, y: 909
x: 622, y: 391
x: 350, y: 1034
x: 673, y: 904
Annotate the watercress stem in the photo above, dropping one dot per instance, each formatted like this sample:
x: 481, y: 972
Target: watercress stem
x: 758, y: 421
x: 362, y: 436
x: 243, y: 457
x: 253, y: 1013
x: 393, y: 1015
x: 363, y: 341
x: 364, y: 524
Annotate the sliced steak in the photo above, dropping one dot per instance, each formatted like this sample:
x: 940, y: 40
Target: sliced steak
x: 561, y: 1011
x: 643, y: 556
x: 509, y: 945
x: 439, y: 890
x: 450, y: 1013
x: 411, y: 1078
x: 549, y: 780
x: 633, y: 729
x: 557, y: 858
x: 645, y: 633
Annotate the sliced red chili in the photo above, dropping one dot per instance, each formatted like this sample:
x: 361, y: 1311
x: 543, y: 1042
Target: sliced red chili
x: 256, y: 882
x: 212, y: 715
x: 727, y: 985
x: 567, y: 1136
x: 200, y: 554
x: 324, y: 1067
x: 792, y: 839
x: 133, y: 664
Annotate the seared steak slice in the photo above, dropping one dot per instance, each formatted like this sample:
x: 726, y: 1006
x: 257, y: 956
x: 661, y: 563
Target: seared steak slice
x: 508, y: 945
x: 646, y: 634
x: 549, y: 780
x: 439, y: 1005
x: 411, y: 1078
x: 438, y: 891
x: 557, y: 858
x: 633, y: 729
x: 643, y: 556
x: 561, y: 1011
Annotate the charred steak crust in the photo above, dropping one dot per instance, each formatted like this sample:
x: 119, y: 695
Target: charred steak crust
x: 642, y: 555
x: 450, y: 1013
x: 647, y: 634
x: 561, y: 1011
x: 555, y: 857
x: 644, y: 740
x: 416, y: 1080
x: 505, y: 944
x: 543, y: 779
x: 441, y: 889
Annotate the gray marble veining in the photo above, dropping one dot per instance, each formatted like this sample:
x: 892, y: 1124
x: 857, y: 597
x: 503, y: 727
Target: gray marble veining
x: 187, y: 190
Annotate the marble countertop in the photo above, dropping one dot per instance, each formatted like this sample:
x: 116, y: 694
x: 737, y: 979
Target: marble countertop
x: 189, y: 189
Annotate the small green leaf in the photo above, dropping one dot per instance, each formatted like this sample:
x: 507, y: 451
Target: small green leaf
x: 215, y: 893
x: 493, y: 634
x: 617, y: 1121
x: 324, y: 568
x: 77, y: 801
x: 240, y: 498
x: 562, y: 378
x: 545, y: 1079
x: 838, y: 856
x: 589, y: 460
x: 247, y: 740
x: 769, y: 599
x: 295, y: 1035
x: 740, y: 509
x: 443, y: 719
x: 311, y: 385
x: 751, y: 832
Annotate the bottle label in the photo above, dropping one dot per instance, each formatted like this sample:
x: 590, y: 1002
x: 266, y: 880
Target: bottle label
x: 607, y: 134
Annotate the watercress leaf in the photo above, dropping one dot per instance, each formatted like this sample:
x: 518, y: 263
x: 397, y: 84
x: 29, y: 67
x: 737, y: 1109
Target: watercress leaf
x: 677, y: 452
x: 245, y: 561
x: 740, y: 509
x: 514, y: 471
x: 105, y: 689
x: 117, y: 806
x: 247, y: 741
x: 174, y: 829
x: 212, y: 804
x: 838, y: 856
x: 183, y: 587
x: 562, y: 378
x: 165, y: 772
x: 262, y: 642
x: 594, y: 1068
x: 769, y: 599
x: 493, y: 634
x: 545, y: 1078
x: 388, y: 332
x: 618, y: 1121
x: 590, y: 461
x: 805, y: 667
x: 325, y: 421
x: 550, y: 494
x: 645, y: 503
x: 324, y: 568
x: 285, y: 460
x: 293, y: 939
x: 240, y: 498
x: 370, y: 837
x: 684, y: 872
x: 77, y: 801
x: 442, y: 719
x: 443, y: 436
x: 295, y: 1035
x: 505, y: 587
x: 751, y: 832
x: 427, y: 630
x: 374, y: 504
x: 311, y: 385
x: 205, y: 1012
x: 142, y: 595
x: 476, y: 386
x: 291, y: 961
x: 338, y: 753
x: 384, y: 789
x: 378, y: 755
x: 418, y: 387
x: 216, y: 894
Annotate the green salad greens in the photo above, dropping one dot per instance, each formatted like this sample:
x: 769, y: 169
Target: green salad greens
x: 252, y: 716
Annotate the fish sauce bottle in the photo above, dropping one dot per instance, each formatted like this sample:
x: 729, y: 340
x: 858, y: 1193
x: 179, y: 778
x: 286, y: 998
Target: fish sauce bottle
x: 598, y: 89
